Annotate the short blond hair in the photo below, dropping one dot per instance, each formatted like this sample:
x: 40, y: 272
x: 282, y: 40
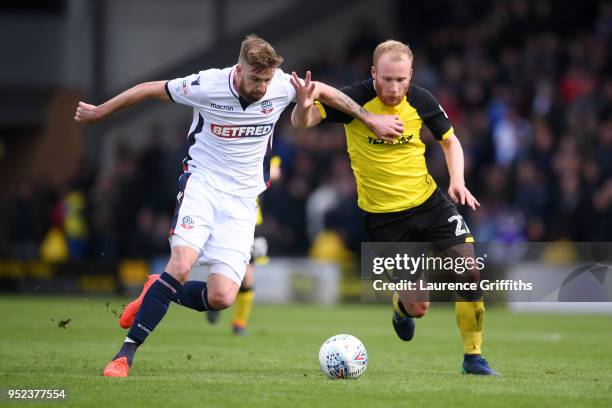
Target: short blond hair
x: 396, y: 48
x: 258, y: 53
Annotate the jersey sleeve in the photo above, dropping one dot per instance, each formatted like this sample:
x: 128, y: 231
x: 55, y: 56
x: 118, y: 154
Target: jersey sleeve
x: 187, y: 90
x: 432, y: 113
x: 440, y: 127
x: 291, y: 95
x: 360, y: 92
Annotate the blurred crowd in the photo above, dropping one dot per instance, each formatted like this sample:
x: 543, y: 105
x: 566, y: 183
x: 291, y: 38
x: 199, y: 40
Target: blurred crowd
x: 527, y: 87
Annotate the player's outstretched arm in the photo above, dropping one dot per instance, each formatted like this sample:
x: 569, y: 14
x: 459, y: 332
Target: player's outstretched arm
x: 386, y: 127
x: 457, y: 190
x: 88, y: 114
x: 305, y: 114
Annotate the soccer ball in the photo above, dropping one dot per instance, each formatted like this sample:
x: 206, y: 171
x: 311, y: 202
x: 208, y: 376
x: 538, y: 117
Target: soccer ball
x: 343, y: 357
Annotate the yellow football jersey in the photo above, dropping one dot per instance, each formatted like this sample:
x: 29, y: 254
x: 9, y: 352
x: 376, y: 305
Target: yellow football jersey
x: 391, y: 176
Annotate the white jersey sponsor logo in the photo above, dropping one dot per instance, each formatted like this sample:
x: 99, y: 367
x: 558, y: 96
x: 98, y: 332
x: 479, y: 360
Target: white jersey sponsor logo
x: 241, y: 131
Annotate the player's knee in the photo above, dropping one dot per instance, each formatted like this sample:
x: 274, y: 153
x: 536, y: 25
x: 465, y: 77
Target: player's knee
x: 179, y: 269
x: 181, y: 261
x: 221, y: 299
x: 417, y: 309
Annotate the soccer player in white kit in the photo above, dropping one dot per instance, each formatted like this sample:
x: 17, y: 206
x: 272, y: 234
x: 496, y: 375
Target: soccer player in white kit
x: 230, y: 141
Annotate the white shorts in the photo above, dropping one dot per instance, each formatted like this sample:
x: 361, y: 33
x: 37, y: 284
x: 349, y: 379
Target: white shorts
x: 218, y: 225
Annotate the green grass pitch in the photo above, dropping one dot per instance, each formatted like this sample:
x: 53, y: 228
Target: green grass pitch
x: 546, y: 360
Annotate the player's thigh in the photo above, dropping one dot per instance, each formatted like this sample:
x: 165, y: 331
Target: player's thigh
x: 388, y: 227
x: 443, y: 226
x: 391, y: 228
x: 230, y: 243
x: 193, y: 214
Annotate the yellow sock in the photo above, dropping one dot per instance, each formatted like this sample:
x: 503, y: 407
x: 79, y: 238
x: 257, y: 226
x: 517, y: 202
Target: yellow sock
x: 243, y: 307
x: 470, y: 319
x: 396, y: 305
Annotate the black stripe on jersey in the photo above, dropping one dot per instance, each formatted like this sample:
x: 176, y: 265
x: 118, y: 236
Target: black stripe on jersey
x: 191, y: 140
x: 438, y: 125
x: 423, y: 101
x: 429, y: 109
x: 168, y: 92
x: 266, y: 163
x: 183, y: 178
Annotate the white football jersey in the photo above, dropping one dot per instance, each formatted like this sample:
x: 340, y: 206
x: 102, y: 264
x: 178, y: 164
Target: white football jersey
x: 230, y: 142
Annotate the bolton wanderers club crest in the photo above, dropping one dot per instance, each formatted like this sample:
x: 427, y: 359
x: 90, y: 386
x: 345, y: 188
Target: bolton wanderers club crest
x: 266, y: 107
x: 187, y: 222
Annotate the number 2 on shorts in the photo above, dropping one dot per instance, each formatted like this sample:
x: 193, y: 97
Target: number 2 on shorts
x: 461, y: 228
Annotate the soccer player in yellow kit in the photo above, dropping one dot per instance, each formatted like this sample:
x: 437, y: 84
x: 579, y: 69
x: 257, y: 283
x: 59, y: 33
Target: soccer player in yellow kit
x: 400, y: 199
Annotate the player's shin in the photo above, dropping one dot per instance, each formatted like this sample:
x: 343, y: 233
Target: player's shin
x: 469, y: 307
x: 470, y: 313
x: 398, y: 305
x: 470, y: 320
x: 153, y: 309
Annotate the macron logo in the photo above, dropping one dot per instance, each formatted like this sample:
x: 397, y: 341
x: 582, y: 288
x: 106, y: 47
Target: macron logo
x: 222, y: 107
x: 232, y: 132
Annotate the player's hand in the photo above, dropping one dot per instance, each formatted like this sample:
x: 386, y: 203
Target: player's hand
x: 459, y: 193
x: 304, y: 91
x: 386, y: 127
x: 87, y: 113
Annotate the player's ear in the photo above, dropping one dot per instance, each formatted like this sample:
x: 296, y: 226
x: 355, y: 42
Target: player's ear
x: 373, y: 71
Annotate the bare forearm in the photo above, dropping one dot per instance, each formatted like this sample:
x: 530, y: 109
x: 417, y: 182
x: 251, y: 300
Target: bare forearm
x: 340, y: 101
x: 453, y: 152
x: 133, y: 96
x: 457, y: 191
x: 305, y: 114
x: 88, y: 114
x: 305, y: 117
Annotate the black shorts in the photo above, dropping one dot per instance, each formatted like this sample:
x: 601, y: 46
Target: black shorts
x: 436, y: 221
